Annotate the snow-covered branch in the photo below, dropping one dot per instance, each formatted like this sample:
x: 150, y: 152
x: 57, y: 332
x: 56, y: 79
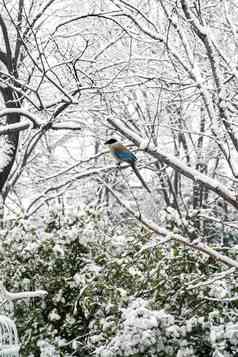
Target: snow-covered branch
x: 6, y: 129
x: 6, y: 295
x: 176, y: 163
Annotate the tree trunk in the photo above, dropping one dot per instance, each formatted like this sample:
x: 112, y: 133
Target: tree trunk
x: 9, y: 142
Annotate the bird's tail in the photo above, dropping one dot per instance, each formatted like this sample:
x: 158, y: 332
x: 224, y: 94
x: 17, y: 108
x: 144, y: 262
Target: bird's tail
x: 136, y: 171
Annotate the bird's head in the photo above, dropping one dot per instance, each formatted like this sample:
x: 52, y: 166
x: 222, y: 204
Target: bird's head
x: 111, y: 141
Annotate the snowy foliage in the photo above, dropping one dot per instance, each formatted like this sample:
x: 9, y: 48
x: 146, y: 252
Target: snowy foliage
x: 141, y: 332
x: 112, y: 294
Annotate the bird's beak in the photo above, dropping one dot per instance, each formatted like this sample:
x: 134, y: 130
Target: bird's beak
x: 106, y: 142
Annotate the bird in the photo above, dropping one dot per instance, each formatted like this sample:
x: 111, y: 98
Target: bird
x: 122, y: 154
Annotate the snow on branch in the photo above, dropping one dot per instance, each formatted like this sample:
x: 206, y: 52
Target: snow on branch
x: 6, y: 129
x: 6, y: 295
x: 175, y: 163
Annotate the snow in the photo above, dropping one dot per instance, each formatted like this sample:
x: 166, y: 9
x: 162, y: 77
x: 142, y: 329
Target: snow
x: 141, y: 329
x: 219, y: 289
x: 46, y: 349
x: 54, y: 316
x: 58, y: 250
x: 185, y: 352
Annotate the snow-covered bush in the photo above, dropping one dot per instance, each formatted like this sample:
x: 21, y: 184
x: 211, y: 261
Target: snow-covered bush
x: 115, y: 292
x: 49, y: 257
x: 142, y: 332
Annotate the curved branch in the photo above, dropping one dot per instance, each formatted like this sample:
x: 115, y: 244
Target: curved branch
x: 99, y: 15
x: 36, y: 122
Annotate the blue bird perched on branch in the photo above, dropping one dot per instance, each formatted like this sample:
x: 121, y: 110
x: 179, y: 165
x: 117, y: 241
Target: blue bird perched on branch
x: 122, y: 154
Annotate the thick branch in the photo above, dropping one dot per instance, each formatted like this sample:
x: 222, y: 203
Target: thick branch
x: 14, y: 128
x: 177, y: 164
x: 19, y: 25
x: 7, y: 44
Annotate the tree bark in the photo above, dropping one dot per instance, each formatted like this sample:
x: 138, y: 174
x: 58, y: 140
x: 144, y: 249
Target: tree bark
x: 9, y: 144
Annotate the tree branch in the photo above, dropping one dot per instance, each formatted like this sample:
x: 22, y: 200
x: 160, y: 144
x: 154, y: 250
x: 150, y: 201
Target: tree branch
x: 18, y: 39
x: 177, y: 164
x: 36, y: 122
x: 7, y: 44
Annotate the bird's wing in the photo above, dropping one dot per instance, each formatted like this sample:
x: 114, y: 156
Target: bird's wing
x: 124, y: 155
